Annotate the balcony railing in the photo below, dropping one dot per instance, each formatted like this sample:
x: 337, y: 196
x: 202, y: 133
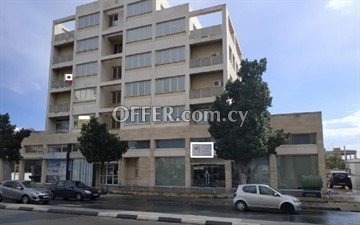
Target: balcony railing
x: 206, y: 32
x: 206, y: 92
x: 67, y: 36
x: 59, y: 84
x: 59, y: 108
x: 61, y: 59
x: 206, y: 61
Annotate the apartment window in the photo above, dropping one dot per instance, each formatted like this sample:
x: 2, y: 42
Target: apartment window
x: 117, y: 48
x: 62, y: 126
x: 171, y: 84
x: 170, y: 55
x: 33, y: 148
x: 138, y: 118
x: 170, y: 143
x: 175, y: 115
x: 84, y: 95
x: 138, y: 61
x: 113, y: 20
x: 86, y: 69
x: 115, y: 124
x: 117, y: 72
x: 140, y: 7
x: 116, y: 97
x: 89, y: 20
x: 139, y: 144
x: 138, y: 34
x: 170, y: 27
x: 302, y: 139
x: 80, y: 120
x: 137, y: 88
x: 89, y: 44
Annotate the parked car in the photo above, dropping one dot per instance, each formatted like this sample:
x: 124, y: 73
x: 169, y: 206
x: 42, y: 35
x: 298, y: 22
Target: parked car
x: 262, y: 196
x: 25, y: 191
x: 73, y: 189
x: 339, y: 178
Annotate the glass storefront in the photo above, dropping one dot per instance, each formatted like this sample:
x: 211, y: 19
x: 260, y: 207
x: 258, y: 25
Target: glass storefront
x: 82, y: 171
x: 32, y: 170
x: 208, y: 175
x: 56, y: 170
x: 259, y: 172
x: 111, y: 174
x: 170, y: 171
x: 292, y: 167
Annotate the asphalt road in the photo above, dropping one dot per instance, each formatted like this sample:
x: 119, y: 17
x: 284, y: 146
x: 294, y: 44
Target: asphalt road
x: 16, y: 217
x: 205, y: 207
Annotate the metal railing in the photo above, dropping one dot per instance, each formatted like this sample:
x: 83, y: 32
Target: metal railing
x: 59, y: 108
x: 205, y: 32
x: 59, y: 84
x: 61, y: 59
x: 67, y: 36
x: 206, y: 92
x: 206, y: 61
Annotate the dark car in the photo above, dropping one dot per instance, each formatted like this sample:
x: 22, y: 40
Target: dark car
x: 339, y: 178
x: 73, y: 189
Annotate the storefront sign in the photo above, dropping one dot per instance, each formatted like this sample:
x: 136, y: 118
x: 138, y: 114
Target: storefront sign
x: 54, y: 155
x: 202, y: 149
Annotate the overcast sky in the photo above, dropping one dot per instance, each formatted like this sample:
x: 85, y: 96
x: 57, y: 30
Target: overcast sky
x: 312, y: 49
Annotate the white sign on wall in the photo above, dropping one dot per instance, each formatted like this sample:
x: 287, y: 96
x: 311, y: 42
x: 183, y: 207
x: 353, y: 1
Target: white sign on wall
x: 202, y: 149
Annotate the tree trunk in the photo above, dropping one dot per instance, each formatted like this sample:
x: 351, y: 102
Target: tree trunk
x: 101, y: 177
x: 243, y: 171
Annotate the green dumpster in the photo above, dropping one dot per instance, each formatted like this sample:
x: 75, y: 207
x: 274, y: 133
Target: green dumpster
x: 312, y: 185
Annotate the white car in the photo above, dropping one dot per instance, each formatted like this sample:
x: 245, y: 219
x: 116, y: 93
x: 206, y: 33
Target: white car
x: 263, y: 196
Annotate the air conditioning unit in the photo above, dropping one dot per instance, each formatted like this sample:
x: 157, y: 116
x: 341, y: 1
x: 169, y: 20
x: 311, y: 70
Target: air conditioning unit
x: 217, y: 83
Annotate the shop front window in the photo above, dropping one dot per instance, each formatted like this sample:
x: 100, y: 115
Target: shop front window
x: 56, y: 170
x: 33, y: 170
x: 208, y: 175
x: 170, y: 171
x: 82, y: 171
x: 111, y: 174
x: 259, y: 172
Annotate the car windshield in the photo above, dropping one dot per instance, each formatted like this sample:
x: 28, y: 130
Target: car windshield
x: 340, y: 175
x: 31, y: 184
x: 80, y: 184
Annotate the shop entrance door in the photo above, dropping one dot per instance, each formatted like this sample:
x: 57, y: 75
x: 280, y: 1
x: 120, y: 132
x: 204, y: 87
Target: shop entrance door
x: 208, y: 175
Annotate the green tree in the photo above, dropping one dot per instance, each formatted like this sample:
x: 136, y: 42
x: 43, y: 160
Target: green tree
x: 10, y: 139
x: 255, y: 138
x: 333, y: 162
x: 98, y: 145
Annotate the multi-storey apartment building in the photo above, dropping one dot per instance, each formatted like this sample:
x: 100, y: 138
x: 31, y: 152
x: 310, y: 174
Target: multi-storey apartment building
x: 140, y: 53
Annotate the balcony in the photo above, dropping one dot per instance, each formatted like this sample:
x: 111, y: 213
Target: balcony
x: 61, y: 108
x: 206, y: 92
x: 206, y: 61
x: 59, y: 84
x: 206, y: 34
x: 62, y: 59
x: 64, y: 38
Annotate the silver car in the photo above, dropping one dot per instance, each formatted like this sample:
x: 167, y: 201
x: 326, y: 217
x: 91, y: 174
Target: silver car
x: 263, y: 196
x: 25, y: 191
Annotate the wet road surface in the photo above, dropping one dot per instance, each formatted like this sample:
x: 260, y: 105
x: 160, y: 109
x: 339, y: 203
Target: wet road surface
x: 205, y: 208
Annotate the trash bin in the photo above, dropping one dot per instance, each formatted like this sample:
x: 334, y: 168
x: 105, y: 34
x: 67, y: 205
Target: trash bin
x: 312, y: 185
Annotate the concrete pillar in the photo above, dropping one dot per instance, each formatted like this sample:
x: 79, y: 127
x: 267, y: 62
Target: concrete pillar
x: 21, y: 169
x: 122, y: 172
x: 43, y: 170
x: 1, y: 170
x: 187, y: 163
x: 228, y: 175
x: 273, y: 171
x: 152, y: 172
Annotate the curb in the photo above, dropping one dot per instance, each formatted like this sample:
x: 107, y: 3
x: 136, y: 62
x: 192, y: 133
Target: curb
x: 143, y: 216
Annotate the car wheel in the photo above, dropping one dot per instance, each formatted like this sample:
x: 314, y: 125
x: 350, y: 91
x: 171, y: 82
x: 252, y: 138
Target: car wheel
x: 241, y: 205
x: 287, y: 208
x: 79, y: 197
x: 25, y: 199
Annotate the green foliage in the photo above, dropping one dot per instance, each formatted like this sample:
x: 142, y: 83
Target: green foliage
x: 255, y: 138
x: 98, y: 145
x: 10, y: 139
x: 333, y: 162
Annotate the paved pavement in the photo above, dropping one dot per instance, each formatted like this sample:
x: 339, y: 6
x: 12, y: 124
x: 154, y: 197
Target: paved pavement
x: 208, y: 207
x: 12, y: 217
